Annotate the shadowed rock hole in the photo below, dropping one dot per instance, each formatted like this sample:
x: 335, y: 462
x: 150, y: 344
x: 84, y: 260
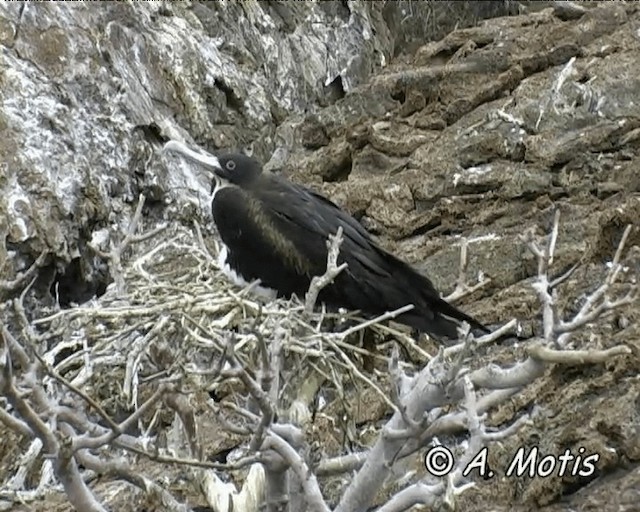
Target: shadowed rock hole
x: 584, y: 79
x: 399, y: 96
x: 341, y: 172
x: 581, y: 482
x: 221, y: 456
x: 425, y: 228
x: 337, y: 9
x: 445, y: 54
x: 335, y: 90
x: 482, y: 44
x: 233, y: 101
x: 164, y: 10
x: 151, y: 133
x: 471, y: 189
x: 71, y: 286
x: 610, y: 235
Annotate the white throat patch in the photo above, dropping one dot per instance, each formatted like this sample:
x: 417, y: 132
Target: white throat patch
x: 220, y: 184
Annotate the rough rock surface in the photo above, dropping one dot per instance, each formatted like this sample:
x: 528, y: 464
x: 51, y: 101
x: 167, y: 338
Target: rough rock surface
x: 481, y: 134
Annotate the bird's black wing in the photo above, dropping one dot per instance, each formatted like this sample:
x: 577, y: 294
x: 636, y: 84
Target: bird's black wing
x: 374, y: 281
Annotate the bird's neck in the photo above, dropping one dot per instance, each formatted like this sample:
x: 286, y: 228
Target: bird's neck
x: 219, y: 185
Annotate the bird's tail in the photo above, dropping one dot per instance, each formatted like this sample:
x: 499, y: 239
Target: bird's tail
x: 450, y: 313
x: 431, y: 313
x: 442, y: 322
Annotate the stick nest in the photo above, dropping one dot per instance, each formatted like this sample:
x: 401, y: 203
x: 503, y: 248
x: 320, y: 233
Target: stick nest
x: 174, y: 320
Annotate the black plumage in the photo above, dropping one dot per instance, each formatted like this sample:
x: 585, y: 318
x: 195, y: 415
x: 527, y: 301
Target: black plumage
x: 276, y: 231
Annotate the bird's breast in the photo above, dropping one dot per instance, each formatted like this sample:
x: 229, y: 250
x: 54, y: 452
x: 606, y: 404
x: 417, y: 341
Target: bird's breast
x: 225, y: 265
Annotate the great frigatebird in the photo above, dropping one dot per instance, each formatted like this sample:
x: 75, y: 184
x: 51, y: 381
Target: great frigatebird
x: 276, y: 231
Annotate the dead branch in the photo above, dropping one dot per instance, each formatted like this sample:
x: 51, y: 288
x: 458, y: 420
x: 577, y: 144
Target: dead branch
x: 22, y: 278
x: 315, y: 501
x: 64, y: 463
x: 595, y: 306
x: 576, y: 357
x: 169, y: 344
x: 462, y: 288
x: 333, y: 269
x: 114, y: 256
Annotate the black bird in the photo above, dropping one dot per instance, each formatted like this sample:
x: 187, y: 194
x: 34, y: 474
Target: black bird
x: 276, y: 231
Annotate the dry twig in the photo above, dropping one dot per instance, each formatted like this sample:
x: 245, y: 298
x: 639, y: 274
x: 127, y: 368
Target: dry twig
x: 333, y: 269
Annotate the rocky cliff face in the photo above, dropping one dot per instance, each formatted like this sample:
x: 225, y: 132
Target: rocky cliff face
x: 481, y: 134
x: 88, y: 94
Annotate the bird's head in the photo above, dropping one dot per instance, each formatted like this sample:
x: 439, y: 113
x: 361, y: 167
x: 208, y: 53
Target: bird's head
x: 238, y: 169
x: 233, y: 168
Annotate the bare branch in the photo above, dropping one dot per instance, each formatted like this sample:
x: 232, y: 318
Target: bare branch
x: 122, y: 471
x: 576, y: 357
x: 64, y: 463
x: 333, y: 269
x: 24, y: 277
x: 462, y: 288
x: 315, y: 501
x: 389, y: 315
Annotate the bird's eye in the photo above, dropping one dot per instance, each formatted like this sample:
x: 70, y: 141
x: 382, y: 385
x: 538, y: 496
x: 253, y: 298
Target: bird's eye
x: 230, y: 165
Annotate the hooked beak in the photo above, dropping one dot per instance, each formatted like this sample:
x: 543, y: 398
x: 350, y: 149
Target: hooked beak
x: 207, y: 160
